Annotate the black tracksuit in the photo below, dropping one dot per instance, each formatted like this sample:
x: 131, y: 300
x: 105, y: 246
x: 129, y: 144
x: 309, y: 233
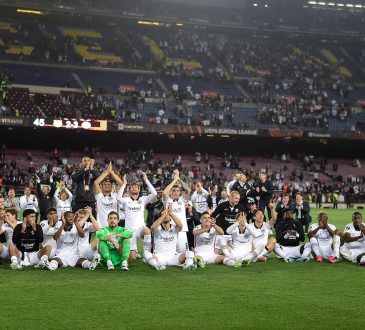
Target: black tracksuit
x: 225, y: 214
x: 286, y: 233
x: 45, y: 201
x: 28, y: 241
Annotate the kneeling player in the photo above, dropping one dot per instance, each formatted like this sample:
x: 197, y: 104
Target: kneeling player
x: 354, y: 237
x: 165, y: 238
x: 205, y: 237
x: 323, y: 239
x: 243, y: 251
x: 88, y: 250
x: 289, y: 234
x: 114, y: 244
x: 67, y: 237
x: 27, y: 239
x: 260, y: 231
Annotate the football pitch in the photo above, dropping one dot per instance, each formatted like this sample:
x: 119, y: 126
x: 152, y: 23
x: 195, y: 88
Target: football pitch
x: 263, y: 295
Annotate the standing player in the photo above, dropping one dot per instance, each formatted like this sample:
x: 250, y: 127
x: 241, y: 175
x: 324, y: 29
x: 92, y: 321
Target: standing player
x: 172, y: 195
x: 134, y: 206
x: 63, y: 198
x: 106, y: 199
x: 199, y: 198
x: 260, y: 231
x: 323, y: 239
x: 10, y: 219
x: 27, y: 239
x: 67, y: 237
x: 264, y: 190
x: 289, y: 235
x: 114, y: 244
x: 28, y: 201
x: 205, y: 238
x: 165, y: 234
x: 354, y: 238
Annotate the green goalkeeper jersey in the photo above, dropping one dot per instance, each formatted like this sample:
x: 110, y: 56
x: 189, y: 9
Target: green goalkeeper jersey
x: 106, y: 231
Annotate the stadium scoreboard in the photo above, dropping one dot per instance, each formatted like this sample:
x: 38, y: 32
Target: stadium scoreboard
x: 71, y: 124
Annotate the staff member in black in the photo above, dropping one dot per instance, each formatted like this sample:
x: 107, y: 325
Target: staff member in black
x: 281, y: 207
x: 301, y: 209
x: 241, y: 185
x: 84, y: 177
x: 45, y: 196
x: 264, y: 190
x: 193, y: 220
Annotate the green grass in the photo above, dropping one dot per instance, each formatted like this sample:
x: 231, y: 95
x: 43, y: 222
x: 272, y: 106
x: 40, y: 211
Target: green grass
x: 263, y: 295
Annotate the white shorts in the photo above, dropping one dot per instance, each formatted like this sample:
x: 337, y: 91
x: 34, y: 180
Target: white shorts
x: 86, y: 252
x: 222, y: 239
x: 182, y: 242
x: 208, y: 257
x: 168, y: 259
x: 68, y: 259
x: 326, y: 250
x: 5, y: 254
x: 242, y: 252
x: 350, y: 254
x: 133, y: 239
x: 29, y: 259
x: 260, y: 242
x: 291, y: 251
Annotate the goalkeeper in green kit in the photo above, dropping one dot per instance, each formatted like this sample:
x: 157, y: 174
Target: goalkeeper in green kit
x: 114, y: 245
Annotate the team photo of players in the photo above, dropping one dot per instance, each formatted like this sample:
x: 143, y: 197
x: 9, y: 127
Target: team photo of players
x: 102, y: 224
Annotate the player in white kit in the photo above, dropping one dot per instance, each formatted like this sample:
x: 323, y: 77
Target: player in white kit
x: 172, y: 195
x: 260, y: 231
x: 48, y: 228
x: 7, y: 228
x: 134, y: 206
x: 354, y: 237
x: 205, y: 238
x: 67, y: 237
x: 199, y: 198
x: 165, y: 234
x: 323, y: 239
x: 63, y: 198
x: 106, y: 198
x: 242, y: 250
x: 88, y: 250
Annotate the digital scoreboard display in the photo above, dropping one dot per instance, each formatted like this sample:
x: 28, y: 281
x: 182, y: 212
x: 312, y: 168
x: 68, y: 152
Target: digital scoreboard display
x: 68, y: 123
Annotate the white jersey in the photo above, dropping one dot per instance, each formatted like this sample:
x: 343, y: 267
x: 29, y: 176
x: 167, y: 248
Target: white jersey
x: 205, y: 241
x: 359, y: 244
x: 63, y: 206
x: 84, y: 241
x: 68, y: 241
x: 48, y: 233
x: 105, y: 204
x: 200, y: 201
x: 30, y: 202
x: 165, y: 240
x: 179, y: 210
x: 241, y: 240
x: 8, y: 232
x: 322, y: 235
x: 259, y: 235
x: 134, y: 208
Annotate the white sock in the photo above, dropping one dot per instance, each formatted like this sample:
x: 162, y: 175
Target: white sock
x: 279, y: 251
x: 229, y: 262
x: 44, y: 257
x: 307, y: 250
x: 263, y: 253
x: 147, y: 243
x: 315, y: 247
x: 336, y: 245
x: 189, y: 258
x: 86, y: 264
x: 109, y: 263
x: 54, y: 264
x: 153, y: 262
x: 14, y: 259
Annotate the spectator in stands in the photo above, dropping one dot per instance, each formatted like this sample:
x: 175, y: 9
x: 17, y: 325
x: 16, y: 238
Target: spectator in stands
x: 11, y: 201
x: 28, y: 201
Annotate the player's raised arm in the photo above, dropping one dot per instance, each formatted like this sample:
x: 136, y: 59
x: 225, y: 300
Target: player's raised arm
x: 167, y: 190
x: 80, y: 231
x: 158, y: 222
x: 100, y: 179
x: 273, y: 214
